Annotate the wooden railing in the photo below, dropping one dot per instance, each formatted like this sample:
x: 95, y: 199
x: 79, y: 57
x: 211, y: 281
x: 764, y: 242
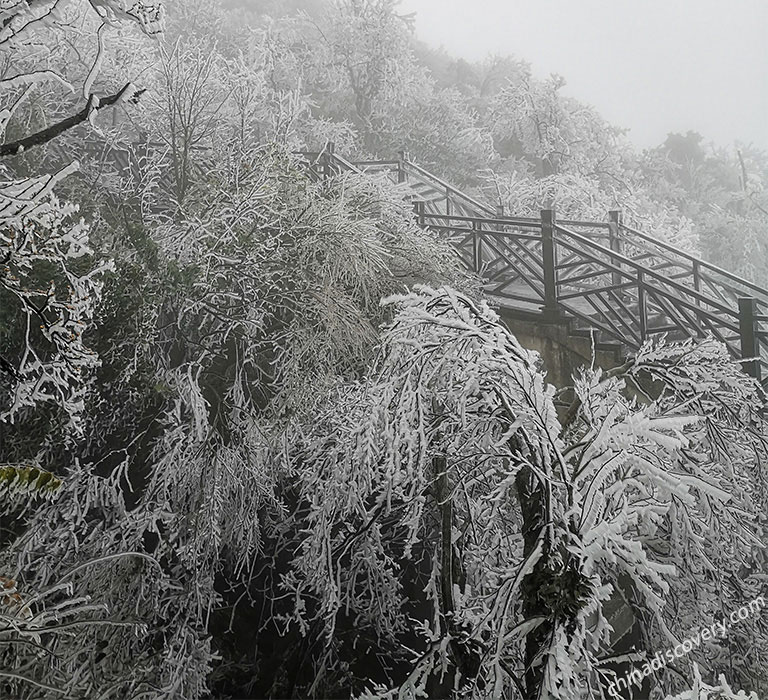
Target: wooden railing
x: 624, y: 284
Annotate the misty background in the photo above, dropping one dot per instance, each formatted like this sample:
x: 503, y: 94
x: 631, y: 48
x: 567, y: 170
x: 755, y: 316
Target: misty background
x: 653, y: 67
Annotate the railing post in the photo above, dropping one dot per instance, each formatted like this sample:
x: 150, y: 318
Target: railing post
x: 750, y: 343
x: 642, y: 306
x: 614, y: 239
x: 696, y: 277
x: 327, y: 155
x: 549, y: 260
x: 418, y: 207
x: 402, y: 157
x: 499, y: 211
x: 477, y: 252
x: 448, y: 211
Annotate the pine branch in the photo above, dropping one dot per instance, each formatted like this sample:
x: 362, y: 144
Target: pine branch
x: 94, y: 105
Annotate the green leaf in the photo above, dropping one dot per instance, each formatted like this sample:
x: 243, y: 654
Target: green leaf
x: 17, y: 479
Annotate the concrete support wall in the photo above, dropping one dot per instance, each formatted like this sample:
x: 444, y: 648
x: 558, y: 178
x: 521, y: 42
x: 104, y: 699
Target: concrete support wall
x: 561, y: 352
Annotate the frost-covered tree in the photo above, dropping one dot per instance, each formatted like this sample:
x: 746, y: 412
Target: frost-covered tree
x: 50, y: 285
x: 257, y: 299
x: 453, y: 462
x: 24, y: 24
x: 49, y: 281
x: 367, y: 73
x: 722, y: 190
x: 47, y: 299
x: 560, y: 153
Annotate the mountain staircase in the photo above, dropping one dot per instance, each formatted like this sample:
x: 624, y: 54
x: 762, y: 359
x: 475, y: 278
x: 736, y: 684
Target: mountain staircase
x: 607, y: 281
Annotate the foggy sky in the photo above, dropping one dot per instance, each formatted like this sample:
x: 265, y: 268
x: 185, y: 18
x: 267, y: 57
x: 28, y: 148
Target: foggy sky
x: 653, y: 66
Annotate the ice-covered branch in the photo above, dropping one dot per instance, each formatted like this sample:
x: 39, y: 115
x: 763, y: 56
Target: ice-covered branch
x: 93, y: 106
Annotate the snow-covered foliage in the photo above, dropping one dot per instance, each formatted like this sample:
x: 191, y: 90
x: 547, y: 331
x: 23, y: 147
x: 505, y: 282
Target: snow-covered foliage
x: 24, y: 22
x: 563, y: 155
x: 583, y: 197
x: 453, y: 454
x: 435, y: 430
x: 270, y: 296
x: 227, y: 469
x: 50, y: 285
x: 50, y: 281
x: 703, y: 691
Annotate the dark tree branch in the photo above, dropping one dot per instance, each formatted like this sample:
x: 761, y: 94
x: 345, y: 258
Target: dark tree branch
x: 446, y: 545
x: 46, y: 135
x: 8, y: 368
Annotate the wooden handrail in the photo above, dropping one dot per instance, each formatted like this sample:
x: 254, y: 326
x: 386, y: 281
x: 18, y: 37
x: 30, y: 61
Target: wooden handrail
x: 490, y: 220
x: 585, y: 224
x: 345, y: 164
x: 694, y: 259
x: 379, y: 163
x: 407, y: 164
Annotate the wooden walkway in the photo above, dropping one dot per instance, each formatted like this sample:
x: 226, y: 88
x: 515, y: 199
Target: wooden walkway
x: 606, y: 276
